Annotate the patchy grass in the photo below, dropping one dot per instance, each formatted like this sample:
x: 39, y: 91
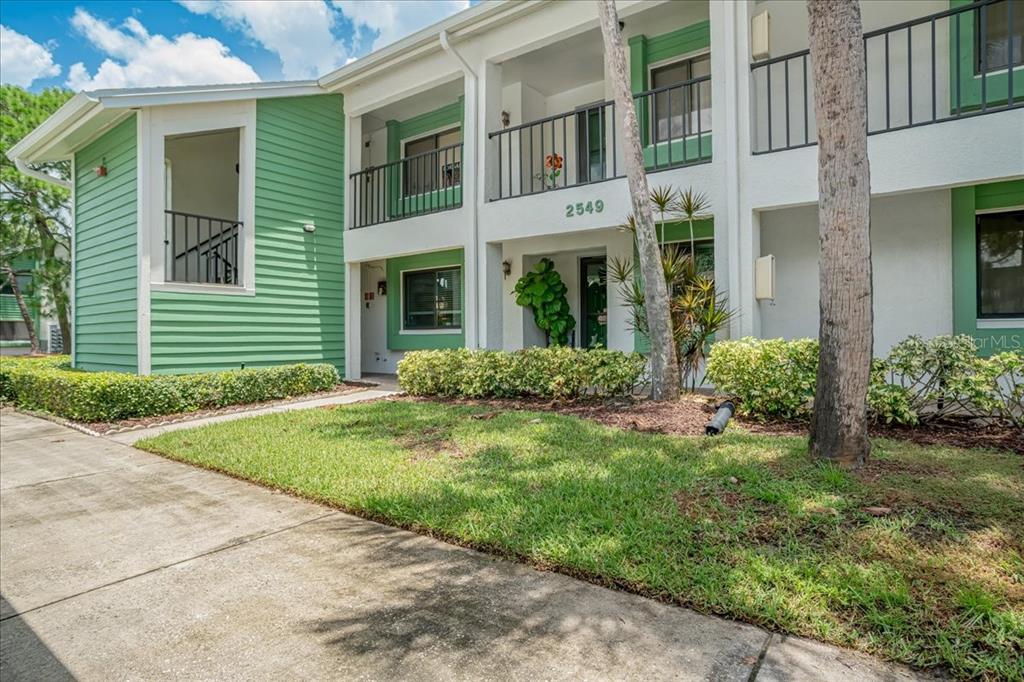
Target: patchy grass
x: 741, y: 525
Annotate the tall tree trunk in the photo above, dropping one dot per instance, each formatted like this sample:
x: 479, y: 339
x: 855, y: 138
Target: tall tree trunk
x: 25, y: 314
x: 663, y: 358
x: 839, y: 430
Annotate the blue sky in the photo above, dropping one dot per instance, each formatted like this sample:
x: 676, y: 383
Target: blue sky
x: 90, y: 45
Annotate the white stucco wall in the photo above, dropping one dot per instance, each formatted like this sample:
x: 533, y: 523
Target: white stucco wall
x: 565, y: 251
x: 376, y: 358
x: 912, y: 260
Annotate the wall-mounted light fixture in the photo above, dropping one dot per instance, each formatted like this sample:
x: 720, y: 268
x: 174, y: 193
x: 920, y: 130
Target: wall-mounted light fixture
x: 505, y: 119
x: 506, y: 267
x: 309, y: 227
x: 101, y: 170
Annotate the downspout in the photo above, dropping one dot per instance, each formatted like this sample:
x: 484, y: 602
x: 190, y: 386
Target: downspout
x: 24, y: 169
x: 474, y: 155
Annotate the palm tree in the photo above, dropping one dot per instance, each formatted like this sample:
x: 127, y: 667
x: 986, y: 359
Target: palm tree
x: 693, y: 206
x: 839, y: 431
x: 663, y: 360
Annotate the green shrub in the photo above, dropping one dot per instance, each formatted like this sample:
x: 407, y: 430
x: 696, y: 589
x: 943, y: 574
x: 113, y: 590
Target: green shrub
x: 920, y: 380
x: 557, y: 372
x: 52, y: 386
x: 770, y: 377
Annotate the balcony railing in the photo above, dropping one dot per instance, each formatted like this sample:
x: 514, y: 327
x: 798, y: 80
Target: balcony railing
x: 415, y: 185
x: 581, y: 147
x: 201, y: 249
x: 940, y: 67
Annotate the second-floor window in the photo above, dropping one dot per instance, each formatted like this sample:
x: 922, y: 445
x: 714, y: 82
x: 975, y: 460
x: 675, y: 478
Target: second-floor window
x: 997, y: 42
x: 432, y: 162
x: 676, y: 110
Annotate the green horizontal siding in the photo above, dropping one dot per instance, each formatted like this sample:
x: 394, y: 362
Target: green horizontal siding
x: 106, y: 270
x: 298, y: 311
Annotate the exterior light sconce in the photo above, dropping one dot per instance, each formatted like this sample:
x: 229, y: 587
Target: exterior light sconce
x: 101, y: 170
x: 505, y: 119
x: 382, y: 288
x: 506, y: 267
x: 309, y: 228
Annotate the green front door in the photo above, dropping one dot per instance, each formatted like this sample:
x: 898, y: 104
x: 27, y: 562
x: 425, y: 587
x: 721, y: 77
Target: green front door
x: 594, y: 302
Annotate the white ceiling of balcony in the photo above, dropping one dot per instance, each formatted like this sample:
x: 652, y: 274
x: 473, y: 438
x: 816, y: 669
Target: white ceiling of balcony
x: 560, y: 66
x: 414, y: 106
x: 579, y: 60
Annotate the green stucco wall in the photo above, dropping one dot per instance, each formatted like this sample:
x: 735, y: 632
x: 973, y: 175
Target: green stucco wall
x: 395, y: 267
x: 298, y: 311
x: 966, y: 201
x: 106, y: 276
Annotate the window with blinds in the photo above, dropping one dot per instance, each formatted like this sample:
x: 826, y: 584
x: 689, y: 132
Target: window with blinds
x: 432, y: 299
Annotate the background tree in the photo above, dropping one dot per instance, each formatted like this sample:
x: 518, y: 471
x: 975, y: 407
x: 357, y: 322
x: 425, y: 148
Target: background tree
x: 839, y: 430
x: 16, y: 245
x: 42, y: 207
x: 663, y: 359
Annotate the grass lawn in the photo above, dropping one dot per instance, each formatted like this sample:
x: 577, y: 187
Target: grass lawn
x: 740, y: 525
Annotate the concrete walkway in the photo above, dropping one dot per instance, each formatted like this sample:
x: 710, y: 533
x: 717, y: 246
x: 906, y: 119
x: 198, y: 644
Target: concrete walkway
x: 131, y: 437
x: 118, y: 564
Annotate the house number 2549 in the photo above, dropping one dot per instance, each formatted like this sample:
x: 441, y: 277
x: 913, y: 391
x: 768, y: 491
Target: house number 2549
x: 581, y: 208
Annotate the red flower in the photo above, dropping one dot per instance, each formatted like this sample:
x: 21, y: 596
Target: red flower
x: 553, y: 161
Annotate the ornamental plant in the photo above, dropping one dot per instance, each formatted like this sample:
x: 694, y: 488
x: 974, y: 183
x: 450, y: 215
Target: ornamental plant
x: 552, y: 170
x: 543, y: 291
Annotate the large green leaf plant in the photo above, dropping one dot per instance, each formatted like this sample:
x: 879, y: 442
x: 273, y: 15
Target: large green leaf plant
x: 543, y: 291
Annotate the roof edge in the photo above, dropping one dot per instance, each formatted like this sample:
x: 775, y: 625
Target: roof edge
x: 456, y: 25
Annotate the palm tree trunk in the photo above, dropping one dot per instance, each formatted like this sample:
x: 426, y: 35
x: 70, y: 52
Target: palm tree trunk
x: 663, y: 358
x: 25, y: 314
x: 839, y: 423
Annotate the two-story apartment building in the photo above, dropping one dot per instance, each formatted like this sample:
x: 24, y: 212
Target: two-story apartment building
x: 392, y: 204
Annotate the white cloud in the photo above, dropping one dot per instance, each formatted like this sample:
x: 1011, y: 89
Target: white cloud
x: 392, y: 20
x: 135, y: 58
x: 23, y: 60
x: 299, y: 32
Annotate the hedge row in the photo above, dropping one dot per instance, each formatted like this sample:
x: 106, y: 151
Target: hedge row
x: 543, y: 372
x: 919, y: 381
x: 50, y: 385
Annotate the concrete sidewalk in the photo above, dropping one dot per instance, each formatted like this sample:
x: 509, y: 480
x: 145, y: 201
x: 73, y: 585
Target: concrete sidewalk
x: 119, y: 564
x: 134, y: 436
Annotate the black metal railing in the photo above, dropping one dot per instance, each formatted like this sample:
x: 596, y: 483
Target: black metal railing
x: 940, y: 67
x: 581, y: 147
x: 201, y: 249
x: 415, y: 185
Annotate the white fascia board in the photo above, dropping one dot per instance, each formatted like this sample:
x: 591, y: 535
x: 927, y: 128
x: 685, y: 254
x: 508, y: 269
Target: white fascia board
x: 84, y: 109
x: 425, y: 40
x: 70, y: 115
x: 152, y: 97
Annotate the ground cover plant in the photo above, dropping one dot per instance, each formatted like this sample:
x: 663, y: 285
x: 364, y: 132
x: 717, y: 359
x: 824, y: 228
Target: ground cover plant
x: 49, y: 384
x: 917, y: 557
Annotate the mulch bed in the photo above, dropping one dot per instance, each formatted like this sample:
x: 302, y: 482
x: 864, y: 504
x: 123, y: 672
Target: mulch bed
x: 689, y: 415
x: 162, y: 420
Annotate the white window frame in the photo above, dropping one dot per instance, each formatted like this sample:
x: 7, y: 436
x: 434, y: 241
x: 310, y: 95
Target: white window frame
x: 190, y: 119
x: 401, y: 301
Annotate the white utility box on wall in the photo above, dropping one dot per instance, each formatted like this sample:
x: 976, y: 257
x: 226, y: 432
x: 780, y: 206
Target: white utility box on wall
x: 764, y: 278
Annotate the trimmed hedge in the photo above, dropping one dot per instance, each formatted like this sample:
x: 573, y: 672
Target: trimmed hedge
x: 920, y: 380
x: 50, y: 385
x: 557, y: 372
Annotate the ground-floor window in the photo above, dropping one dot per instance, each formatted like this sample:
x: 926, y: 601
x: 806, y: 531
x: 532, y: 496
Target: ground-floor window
x: 1000, y: 255
x: 432, y: 299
